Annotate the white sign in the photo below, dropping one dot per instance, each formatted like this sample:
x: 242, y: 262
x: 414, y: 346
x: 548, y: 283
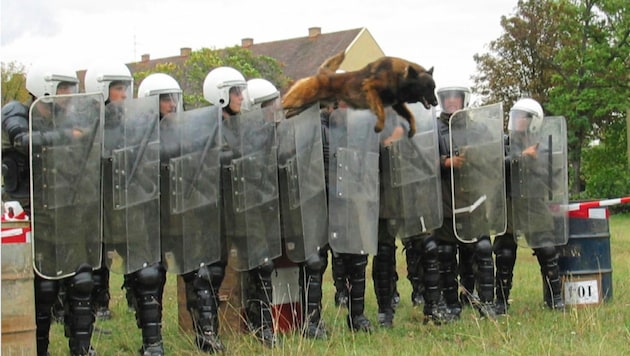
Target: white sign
x: 581, y: 292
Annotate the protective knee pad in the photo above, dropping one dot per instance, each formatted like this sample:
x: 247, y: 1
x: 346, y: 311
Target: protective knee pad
x: 314, y: 263
x: 548, y: 260
x: 45, y: 296
x: 431, y: 266
x: 266, y: 268
x: 546, y: 255
x: 148, y: 285
x: 46, y: 291
x: 214, y: 274
x: 100, y: 292
x: 323, y: 256
x: 78, y: 317
x: 505, y: 253
x: 485, y: 270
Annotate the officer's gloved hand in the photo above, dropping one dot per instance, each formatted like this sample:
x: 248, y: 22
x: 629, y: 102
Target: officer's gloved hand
x: 225, y: 156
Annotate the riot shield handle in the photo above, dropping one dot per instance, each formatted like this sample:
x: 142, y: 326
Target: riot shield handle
x: 202, y: 158
x: 143, y: 146
x: 84, y: 159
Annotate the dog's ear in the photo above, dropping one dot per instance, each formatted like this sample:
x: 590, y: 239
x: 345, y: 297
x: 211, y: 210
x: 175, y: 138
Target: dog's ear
x: 411, y: 72
x: 430, y: 71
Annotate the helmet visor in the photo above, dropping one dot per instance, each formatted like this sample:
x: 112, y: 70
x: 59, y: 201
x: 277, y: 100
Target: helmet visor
x: 519, y: 120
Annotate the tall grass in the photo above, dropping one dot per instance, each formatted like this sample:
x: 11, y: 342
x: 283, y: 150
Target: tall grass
x: 529, y: 329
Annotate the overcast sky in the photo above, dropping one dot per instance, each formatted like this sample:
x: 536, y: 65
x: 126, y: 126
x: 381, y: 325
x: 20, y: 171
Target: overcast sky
x: 440, y: 33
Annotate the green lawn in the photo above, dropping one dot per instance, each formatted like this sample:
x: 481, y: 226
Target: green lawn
x: 530, y: 329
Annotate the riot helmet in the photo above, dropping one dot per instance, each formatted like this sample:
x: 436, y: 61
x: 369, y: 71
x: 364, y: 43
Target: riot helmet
x: 100, y: 77
x: 166, y: 87
x: 526, y: 115
x: 45, y: 79
x: 220, y: 83
x: 446, y: 95
x: 260, y: 92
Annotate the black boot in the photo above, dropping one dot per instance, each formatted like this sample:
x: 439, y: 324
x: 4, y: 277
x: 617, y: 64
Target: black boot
x: 383, y: 277
x: 46, y: 292
x: 466, y: 274
x: 548, y: 260
x: 202, y: 301
x: 259, y: 306
x: 413, y: 251
x: 79, y: 318
x: 147, y: 285
x: 311, y: 283
x: 100, y: 293
x: 340, y: 279
x: 431, y: 281
x: 448, y: 279
x: 505, y: 256
x: 484, y: 277
x: 356, y: 269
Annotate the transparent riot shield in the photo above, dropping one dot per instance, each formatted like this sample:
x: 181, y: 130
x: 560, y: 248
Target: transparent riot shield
x: 478, y: 186
x: 66, y: 143
x: 131, y: 171
x: 189, y: 189
x: 539, y: 187
x: 410, y: 176
x: 304, y: 216
x: 353, y: 195
x: 250, y: 187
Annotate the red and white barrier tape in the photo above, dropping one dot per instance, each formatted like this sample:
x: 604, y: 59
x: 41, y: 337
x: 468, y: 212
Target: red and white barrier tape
x: 597, y: 204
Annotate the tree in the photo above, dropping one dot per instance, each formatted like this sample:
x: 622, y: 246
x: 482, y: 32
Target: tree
x: 13, y: 82
x: 586, y: 84
x: 191, y: 75
x: 567, y: 54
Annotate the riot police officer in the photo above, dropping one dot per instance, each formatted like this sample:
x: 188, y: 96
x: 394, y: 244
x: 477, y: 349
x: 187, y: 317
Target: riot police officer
x: 189, y: 216
x: 531, y: 188
x: 131, y: 196
x: 250, y: 212
x: 409, y: 182
x: 60, y: 260
x: 304, y: 220
x: 451, y: 100
x: 353, y: 213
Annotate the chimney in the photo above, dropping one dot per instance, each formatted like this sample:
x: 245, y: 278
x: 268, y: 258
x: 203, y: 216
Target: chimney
x: 247, y: 42
x: 314, y: 32
x: 145, y: 57
x: 185, y: 51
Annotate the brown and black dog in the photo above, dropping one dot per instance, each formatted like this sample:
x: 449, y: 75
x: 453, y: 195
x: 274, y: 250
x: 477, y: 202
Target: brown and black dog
x: 384, y: 82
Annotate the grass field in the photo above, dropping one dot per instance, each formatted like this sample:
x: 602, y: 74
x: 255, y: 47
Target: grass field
x: 529, y: 329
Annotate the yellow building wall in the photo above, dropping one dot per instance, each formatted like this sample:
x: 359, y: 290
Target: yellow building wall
x: 362, y: 51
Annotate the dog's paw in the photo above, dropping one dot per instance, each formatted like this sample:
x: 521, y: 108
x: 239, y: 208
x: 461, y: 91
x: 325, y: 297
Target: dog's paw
x: 377, y: 129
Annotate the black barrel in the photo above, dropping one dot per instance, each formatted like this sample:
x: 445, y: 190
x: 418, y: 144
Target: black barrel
x: 585, y: 261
